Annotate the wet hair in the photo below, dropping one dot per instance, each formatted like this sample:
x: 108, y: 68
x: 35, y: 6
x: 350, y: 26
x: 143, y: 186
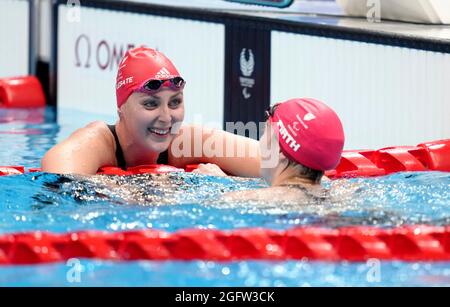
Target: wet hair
x: 305, y: 172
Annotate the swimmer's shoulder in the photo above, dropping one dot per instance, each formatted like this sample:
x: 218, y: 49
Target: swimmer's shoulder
x: 83, y: 152
x: 264, y: 194
x: 96, y: 134
x: 246, y: 195
x: 269, y: 195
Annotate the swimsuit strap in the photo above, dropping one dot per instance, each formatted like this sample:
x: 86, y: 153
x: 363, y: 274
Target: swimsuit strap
x: 162, y: 159
x: 119, y: 152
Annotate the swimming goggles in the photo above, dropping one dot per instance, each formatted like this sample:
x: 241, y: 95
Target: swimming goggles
x: 152, y: 86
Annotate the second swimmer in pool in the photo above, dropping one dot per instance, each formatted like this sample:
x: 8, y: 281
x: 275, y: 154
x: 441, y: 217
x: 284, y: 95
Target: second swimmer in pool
x: 303, y: 138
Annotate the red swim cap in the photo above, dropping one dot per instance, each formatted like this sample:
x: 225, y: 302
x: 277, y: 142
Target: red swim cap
x: 309, y: 133
x: 137, y: 67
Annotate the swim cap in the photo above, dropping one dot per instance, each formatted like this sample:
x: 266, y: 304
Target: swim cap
x: 309, y: 133
x: 138, y: 66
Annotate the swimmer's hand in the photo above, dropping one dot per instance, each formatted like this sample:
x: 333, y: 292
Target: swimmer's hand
x: 209, y: 169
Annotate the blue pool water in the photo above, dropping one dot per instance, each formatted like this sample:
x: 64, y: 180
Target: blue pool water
x: 171, y: 202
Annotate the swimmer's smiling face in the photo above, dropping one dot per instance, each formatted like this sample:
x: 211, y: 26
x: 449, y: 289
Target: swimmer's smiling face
x: 152, y: 121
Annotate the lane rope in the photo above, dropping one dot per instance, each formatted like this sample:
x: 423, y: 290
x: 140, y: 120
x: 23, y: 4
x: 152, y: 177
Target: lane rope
x: 414, y: 243
x: 430, y: 156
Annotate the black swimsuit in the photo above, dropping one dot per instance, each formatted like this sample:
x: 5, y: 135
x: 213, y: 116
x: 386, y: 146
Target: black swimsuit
x: 162, y: 159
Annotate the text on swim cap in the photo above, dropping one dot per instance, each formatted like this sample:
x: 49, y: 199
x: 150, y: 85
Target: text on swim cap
x: 285, y: 136
x: 124, y: 82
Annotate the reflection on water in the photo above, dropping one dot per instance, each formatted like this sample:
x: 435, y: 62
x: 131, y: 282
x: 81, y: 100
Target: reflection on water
x: 242, y: 273
x: 26, y: 134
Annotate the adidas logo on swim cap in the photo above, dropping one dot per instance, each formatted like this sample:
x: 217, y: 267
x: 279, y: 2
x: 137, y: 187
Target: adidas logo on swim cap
x: 163, y: 74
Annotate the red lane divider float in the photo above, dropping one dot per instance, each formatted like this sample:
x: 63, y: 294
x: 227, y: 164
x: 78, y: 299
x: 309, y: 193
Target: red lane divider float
x: 416, y: 243
x: 21, y: 92
x: 142, y: 169
x: 108, y: 170
x: 11, y: 170
x: 431, y: 156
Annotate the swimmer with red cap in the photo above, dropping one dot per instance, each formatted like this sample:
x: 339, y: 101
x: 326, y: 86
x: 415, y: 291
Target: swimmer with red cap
x: 149, y: 130
x: 303, y: 138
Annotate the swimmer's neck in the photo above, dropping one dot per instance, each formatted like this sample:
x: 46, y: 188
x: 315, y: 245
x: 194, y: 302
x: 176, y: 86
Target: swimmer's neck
x: 287, y: 178
x: 133, y: 154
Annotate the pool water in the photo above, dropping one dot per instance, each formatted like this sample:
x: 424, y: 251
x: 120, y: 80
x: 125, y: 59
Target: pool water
x: 170, y: 202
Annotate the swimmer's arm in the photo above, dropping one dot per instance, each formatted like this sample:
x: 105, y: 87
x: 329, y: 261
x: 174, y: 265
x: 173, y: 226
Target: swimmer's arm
x: 83, y: 152
x: 241, y: 158
x: 236, y: 155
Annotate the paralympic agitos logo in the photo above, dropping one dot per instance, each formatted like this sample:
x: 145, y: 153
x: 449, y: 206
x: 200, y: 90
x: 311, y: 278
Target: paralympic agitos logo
x: 103, y: 54
x: 247, y: 66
